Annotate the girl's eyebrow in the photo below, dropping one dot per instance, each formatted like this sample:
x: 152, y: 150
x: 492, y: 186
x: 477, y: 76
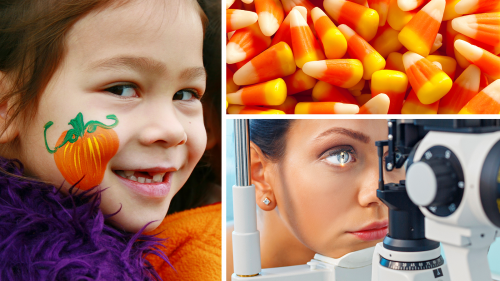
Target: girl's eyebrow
x: 350, y: 133
x: 142, y: 64
x: 145, y: 64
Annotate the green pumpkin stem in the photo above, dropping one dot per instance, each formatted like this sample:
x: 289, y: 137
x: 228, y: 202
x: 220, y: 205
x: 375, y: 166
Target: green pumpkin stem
x: 78, y: 130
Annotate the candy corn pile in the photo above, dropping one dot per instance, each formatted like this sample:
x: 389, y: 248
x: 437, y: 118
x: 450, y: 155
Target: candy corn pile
x: 363, y: 56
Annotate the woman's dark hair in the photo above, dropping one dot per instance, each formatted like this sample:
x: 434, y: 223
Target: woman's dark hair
x: 269, y: 135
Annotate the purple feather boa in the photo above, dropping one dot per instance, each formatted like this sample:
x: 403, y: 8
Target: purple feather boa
x: 45, y: 235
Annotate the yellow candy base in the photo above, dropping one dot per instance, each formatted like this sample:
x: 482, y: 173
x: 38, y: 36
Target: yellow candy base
x: 465, y: 111
x: 434, y: 89
x: 413, y: 108
x: 412, y: 42
x: 371, y: 63
x: 275, y: 92
x: 334, y: 43
x: 368, y: 24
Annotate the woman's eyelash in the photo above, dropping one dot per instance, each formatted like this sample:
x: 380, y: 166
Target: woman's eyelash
x: 340, y: 156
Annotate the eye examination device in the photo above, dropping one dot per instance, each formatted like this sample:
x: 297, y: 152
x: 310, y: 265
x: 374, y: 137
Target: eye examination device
x: 449, y: 201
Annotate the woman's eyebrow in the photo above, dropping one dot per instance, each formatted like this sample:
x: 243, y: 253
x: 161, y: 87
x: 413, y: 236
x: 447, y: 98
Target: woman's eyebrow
x: 350, y: 133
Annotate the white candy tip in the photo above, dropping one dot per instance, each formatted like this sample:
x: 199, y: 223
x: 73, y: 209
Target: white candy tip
x: 407, y: 5
x: 268, y: 23
x: 465, y: 6
x: 345, y: 108
x: 314, y: 69
x: 296, y: 19
x: 379, y: 104
x: 469, y: 51
x: 234, y: 53
x: 346, y: 31
x: 409, y: 58
x: 316, y: 13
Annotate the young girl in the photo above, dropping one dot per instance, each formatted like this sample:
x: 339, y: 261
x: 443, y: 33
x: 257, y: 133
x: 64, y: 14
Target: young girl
x: 320, y: 179
x: 99, y: 96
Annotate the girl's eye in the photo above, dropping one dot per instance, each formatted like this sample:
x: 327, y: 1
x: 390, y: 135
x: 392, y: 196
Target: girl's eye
x: 123, y: 90
x: 186, y: 94
x: 340, y: 157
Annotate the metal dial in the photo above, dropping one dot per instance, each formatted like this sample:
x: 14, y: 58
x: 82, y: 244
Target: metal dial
x: 421, y: 265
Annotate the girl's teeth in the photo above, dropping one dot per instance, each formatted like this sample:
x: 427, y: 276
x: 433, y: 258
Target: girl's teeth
x: 132, y: 178
x: 158, y: 178
x: 121, y: 174
x: 141, y: 179
x: 148, y: 180
x: 128, y: 173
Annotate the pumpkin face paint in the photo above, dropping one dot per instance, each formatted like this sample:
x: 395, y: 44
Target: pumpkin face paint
x: 82, y: 153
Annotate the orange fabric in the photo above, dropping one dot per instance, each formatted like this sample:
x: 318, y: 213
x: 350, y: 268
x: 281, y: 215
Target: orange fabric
x: 194, y: 245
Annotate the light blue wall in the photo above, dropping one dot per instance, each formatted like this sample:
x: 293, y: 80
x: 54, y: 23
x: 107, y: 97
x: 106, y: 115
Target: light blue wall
x: 493, y: 256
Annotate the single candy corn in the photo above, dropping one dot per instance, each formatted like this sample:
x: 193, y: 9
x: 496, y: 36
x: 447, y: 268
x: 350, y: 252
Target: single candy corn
x: 376, y: 105
x: 449, y: 65
x: 236, y: 19
x: 268, y: 93
x: 386, y: 41
x: 393, y: 84
x: 485, y: 102
x: 231, y: 87
x: 342, y: 73
x: 413, y: 105
x: 362, y: 19
x: 246, y: 43
x: 271, y: 15
x: 408, y: 5
x: 304, y: 45
x: 486, y: 61
x: 334, y: 43
x: 398, y: 18
x: 359, y: 49
x: 419, y: 34
x: 477, y: 6
x: 323, y: 91
x: 275, y: 62
x: 241, y: 109
x: 461, y: 60
x: 288, y: 106
x: 464, y: 89
x: 482, y: 27
x: 299, y: 82
x: 382, y: 8
x: 325, y: 108
x: 395, y: 62
x: 283, y: 33
x: 429, y: 82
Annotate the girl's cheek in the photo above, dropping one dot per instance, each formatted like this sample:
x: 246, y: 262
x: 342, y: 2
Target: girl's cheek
x: 83, y: 152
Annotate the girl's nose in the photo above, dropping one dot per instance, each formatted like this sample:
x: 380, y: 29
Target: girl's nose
x: 163, y: 127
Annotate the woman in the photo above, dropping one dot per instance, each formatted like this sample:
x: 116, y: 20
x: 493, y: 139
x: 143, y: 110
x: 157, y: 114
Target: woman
x: 320, y: 179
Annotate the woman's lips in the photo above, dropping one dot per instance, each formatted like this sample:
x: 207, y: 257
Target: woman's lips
x: 153, y: 189
x: 373, y: 231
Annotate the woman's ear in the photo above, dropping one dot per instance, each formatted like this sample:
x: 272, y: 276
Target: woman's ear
x: 263, y: 189
x: 7, y: 134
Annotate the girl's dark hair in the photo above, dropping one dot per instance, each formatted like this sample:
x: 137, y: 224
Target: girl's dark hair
x: 270, y: 136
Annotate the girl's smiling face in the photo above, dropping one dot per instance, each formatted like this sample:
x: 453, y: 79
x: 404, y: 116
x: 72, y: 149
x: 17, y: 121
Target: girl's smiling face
x: 141, y: 62
x: 325, y: 184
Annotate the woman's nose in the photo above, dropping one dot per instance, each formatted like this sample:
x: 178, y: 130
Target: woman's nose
x: 163, y: 126
x: 368, y: 193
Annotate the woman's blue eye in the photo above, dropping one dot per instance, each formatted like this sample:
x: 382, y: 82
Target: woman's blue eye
x: 340, y: 157
x: 123, y: 90
x: 185, y: 95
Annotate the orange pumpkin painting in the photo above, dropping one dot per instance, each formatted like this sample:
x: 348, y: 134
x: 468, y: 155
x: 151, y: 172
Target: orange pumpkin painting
x: 83, y: 152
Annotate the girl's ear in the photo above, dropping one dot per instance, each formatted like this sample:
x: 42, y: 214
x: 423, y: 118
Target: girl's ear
x: 9, y: 133
x: 259, y: 164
